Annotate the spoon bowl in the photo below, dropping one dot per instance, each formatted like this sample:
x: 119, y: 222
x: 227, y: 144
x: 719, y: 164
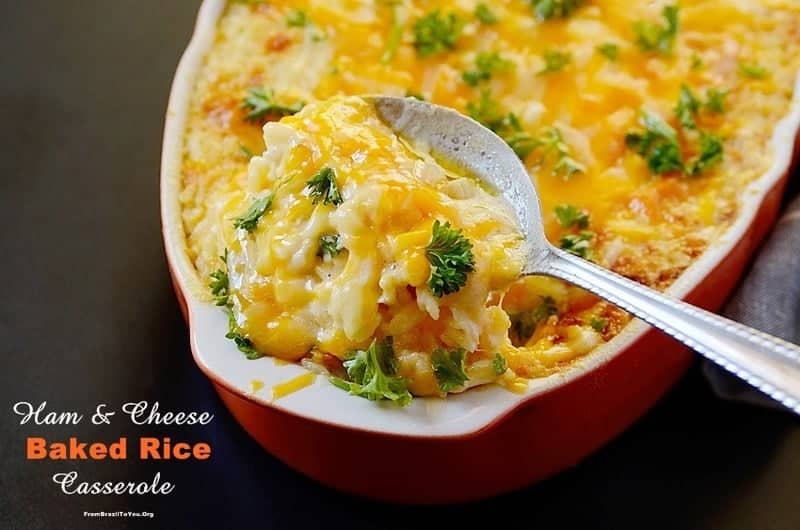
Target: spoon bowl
x: 478, y: 151
x: 767, y: 363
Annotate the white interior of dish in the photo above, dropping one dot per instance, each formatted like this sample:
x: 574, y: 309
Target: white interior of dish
x: 458, y: 414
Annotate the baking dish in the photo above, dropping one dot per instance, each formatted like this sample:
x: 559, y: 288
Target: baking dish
x: 560, y: 419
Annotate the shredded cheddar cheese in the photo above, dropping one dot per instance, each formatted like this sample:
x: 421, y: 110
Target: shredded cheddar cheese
x: 293, y: 385
x: 570, y: 92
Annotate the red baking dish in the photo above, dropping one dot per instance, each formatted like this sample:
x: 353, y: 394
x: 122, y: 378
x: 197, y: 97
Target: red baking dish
x: 449, y: 445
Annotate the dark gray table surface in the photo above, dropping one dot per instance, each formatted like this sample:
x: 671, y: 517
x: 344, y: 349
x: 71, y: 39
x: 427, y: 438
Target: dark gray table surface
x: 87, y: 315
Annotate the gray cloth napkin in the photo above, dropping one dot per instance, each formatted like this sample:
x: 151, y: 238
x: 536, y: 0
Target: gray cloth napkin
x: 768, y: 299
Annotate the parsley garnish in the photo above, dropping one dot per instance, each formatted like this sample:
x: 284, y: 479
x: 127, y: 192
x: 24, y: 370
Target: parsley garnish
x: 655, y: 37
x: 499, y: 364
x: 689, y: 105
x: 554, y: 61
x: 569, y: 216
x: 435, y: 33
x: 249, y: 219
x: 486, y: 111
x: 578, y: 244
x: 520, y: 141
x: 246, y: 152
x: 697, y: 62
x: 323, y: 187
x: 609, y: 49
x: 753, y: 70
x: 658, y: 144
x: 371, y: 374
x: 506, y: 126
x: 448, y: 367
x: 715, y: 100
x: 687, y: 108
x: 547, y: 9
x: 297, y: 18
x: 451, y: 259
x: 711, y: 153
x: 524, y: 324
x: 486, y: 63
x: 243, y: 344
x: 220, y: 290
x: 551, y: 143
x: 395, y: 36
x: 598, y: 324
x: 260, y: 105
x: 415, y: 95
x: 329, y: 244
x: 484, y: 14
x: 220, y: 282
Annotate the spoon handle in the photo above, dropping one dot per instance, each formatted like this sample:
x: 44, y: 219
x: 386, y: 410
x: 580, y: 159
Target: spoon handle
x: 769, y: 364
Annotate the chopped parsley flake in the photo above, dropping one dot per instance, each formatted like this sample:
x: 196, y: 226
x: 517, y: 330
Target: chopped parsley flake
x: 711, y: 152
x: 579, y: 244
x: 372, y: 374
x: 499, y: 364
x: 323, y: 187
x: 220, y: 283
x: 297, y: 18
x: 551, y: 145
x: 506, y: 126
x: 569, y: 216
x: 598, y: 324
x: 687, y: 108
x: 656, y: 37
x: 753, y: 71
x: 395, y: 36
x: 715, y: 100
x: 451, y: 259
x: 329, y: 245
x: 448, y: 367
x: 260, y: 105
x: 547, y: 9
x: 658, y: 144
x: 486, y: 111
x: 524, y: 324
x: 486, y: 63
x: 436, y: 33
x: 609, y: 49
x: 485, y: 15
x: 246, y: 152
x: 249, y: 220
x: 554, y: 61
x: 243, y: 344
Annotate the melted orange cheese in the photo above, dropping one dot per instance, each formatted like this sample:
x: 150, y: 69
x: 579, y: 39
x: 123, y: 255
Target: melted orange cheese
x: 645, y: 226
x: 287, y: 299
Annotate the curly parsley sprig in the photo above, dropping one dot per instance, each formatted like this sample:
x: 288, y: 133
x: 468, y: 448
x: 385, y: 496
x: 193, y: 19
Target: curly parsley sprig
x: 260, y: 105
x: 656, y: 37
x: 451, y: 259
x: 449, y: 369
x: 220, y: 291
x: 220, y: 282
x: 547, y: 9
x: 372, y: 374
x: 486, y: 64
x: 249, y: 219
x: 323, y: 187
x: 435, y: 33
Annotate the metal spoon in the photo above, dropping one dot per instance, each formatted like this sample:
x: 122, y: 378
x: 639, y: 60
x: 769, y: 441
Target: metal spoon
x: 766, y: 362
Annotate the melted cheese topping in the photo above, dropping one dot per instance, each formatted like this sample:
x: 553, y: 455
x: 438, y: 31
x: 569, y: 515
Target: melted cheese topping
x: 287, y: 299
x: 646, y: 227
